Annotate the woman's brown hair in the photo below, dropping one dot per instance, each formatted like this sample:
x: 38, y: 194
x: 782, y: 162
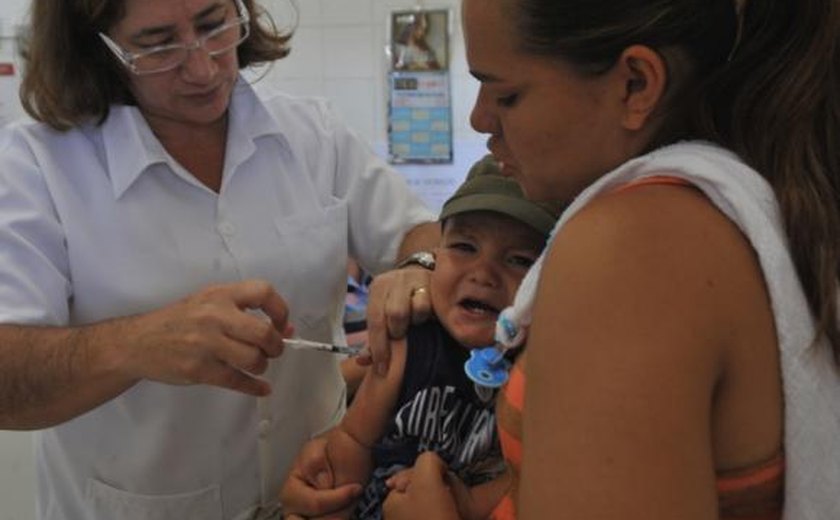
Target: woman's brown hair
x: 70, y: 76
x: 762, y: 81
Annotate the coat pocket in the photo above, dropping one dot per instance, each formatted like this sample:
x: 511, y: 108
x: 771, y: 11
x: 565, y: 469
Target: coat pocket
x: 111, y: 503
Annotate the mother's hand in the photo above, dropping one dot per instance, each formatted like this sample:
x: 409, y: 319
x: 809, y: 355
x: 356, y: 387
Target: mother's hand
x: 397, y: 299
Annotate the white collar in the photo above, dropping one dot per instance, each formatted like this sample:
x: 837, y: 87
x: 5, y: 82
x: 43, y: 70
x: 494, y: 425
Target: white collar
x: 249, y: 120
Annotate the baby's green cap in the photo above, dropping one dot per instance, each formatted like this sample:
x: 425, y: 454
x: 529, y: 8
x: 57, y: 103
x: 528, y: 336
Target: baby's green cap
x: 486, y: 189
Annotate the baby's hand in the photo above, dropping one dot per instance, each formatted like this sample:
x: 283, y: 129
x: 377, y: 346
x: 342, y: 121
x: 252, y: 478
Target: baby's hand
x: 426, y: 493
x: 400, y: 480
x: 308, y: 490
x: 460, y: 492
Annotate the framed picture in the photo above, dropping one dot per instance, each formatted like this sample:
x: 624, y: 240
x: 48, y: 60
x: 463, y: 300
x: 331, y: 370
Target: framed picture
x: 420, y: 40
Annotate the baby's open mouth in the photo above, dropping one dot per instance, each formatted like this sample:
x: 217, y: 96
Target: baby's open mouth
x: 478, y: 307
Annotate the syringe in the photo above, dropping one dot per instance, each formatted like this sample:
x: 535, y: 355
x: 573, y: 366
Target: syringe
x: 349, y: 350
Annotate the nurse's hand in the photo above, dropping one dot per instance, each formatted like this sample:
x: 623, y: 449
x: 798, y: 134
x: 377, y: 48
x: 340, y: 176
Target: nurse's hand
x: 308, y: 491
x: 397, y: 299
x: 223, y: 336
x: 423, y: 493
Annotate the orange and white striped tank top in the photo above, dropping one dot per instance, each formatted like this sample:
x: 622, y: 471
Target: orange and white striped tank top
x: 754, y: 493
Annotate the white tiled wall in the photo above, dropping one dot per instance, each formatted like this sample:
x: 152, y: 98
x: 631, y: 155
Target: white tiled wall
x: 338, y: 52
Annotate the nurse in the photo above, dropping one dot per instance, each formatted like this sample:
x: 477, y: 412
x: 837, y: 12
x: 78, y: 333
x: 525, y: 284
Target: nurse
x: 163, y: 227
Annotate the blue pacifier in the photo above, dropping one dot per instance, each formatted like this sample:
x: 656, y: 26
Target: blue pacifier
x: 487, y: 366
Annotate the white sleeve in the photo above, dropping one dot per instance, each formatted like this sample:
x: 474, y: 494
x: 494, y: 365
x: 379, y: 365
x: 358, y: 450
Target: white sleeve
x: 34, y: 281
x: 381, y: 205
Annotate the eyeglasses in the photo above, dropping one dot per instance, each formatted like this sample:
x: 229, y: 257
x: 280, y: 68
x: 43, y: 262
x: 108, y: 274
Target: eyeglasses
x: 162, y: 58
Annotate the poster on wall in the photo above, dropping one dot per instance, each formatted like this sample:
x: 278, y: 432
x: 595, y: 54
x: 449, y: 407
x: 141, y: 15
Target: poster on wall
x: 419, y: 101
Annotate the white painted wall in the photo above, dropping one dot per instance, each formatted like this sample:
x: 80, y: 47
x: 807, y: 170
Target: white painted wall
x: 338, y: 53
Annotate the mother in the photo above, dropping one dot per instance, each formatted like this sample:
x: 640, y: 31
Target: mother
x: 682, y: 357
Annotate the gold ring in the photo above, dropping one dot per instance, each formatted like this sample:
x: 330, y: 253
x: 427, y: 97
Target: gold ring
x: 418, y: 290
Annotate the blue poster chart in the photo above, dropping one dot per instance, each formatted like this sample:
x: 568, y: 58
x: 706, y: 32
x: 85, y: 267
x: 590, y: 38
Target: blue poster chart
x: 420, y: 117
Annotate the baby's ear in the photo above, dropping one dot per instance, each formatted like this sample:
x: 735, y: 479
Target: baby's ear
x: 644, y: 76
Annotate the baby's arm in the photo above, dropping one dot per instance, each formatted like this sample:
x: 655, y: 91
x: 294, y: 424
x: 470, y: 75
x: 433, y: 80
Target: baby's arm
x: 350, y: 462
x: 353, y: 374
x: 349, y: 443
